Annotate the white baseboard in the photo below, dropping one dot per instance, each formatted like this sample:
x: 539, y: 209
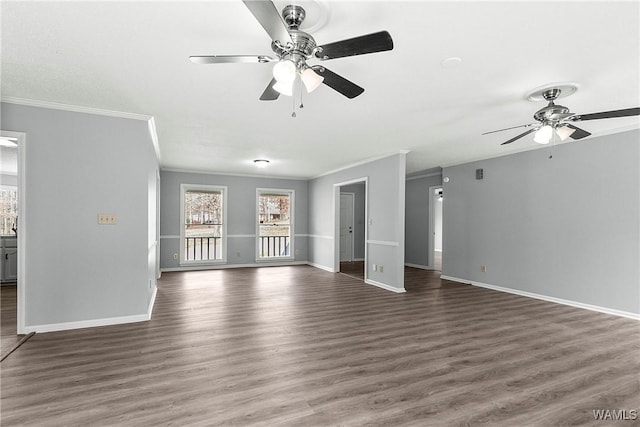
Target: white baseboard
x: 422, y: 267
x: 385, y: 286
x: 152, y: 302
x: 65, y: 326
x: 321, y: 267
x: 606, y: 310
x: 225, y: 266
x: 86, y: 323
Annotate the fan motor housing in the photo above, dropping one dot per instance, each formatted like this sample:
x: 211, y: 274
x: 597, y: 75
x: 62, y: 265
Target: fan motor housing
x: 551, y: 112
x: 303, y: 45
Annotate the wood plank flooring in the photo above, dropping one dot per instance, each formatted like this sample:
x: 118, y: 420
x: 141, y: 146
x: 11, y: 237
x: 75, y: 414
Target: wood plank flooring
x: 299, y: 346
x: 8, y: 313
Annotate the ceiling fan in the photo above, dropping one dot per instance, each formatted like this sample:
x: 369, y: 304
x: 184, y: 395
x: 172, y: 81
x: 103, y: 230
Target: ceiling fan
x: 557, y: 119
x: 293, y: 48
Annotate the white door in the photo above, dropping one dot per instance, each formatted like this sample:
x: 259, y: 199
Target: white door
x: 346, y: 226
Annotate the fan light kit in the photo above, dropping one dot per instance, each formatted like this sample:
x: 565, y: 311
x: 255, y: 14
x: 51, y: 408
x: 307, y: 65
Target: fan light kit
x: 293, y: 48
x: 556, y: 120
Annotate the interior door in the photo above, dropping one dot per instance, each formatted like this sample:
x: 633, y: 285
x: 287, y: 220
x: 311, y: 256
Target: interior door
x: 346, y: 226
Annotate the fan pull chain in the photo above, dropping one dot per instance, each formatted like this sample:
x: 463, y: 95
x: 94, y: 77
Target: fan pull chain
x: 293, y: 105
x: 301, y: 92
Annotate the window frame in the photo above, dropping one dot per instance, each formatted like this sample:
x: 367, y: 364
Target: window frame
x: 284, y: 192
x: 184, y: 188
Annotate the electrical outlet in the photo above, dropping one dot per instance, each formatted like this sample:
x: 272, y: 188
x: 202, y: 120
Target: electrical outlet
x: 175, y: 257
x: 107, y: 219
x: 381, y: 268
x: 374, y: 267
x: 483, y: 268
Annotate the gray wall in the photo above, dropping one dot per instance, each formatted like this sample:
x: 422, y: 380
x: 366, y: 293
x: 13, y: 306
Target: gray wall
x: 386, y: 194
x: 566, y: 227
x: 359, y: 218
x: 79, y: 165
x: 241, y: 215
x: 418, y: 222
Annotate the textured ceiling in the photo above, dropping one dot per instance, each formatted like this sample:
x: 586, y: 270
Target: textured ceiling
x: 133, y: 57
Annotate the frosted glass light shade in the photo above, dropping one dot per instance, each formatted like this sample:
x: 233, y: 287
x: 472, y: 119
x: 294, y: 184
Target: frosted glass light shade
x: 311, y: 79
x: 284, y: 71
x: 564, y: 132
x: 543, y: 135
x: 284, y: 88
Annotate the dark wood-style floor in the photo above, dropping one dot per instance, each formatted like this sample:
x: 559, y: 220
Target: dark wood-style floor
x: 8, y: 314
x: 299, y: 346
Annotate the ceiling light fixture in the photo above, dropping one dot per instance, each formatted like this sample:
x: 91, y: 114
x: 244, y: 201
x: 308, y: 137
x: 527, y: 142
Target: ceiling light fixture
x: 564, y: 132
x: 8, y: 142
x: 261, y: 163
x: 285, y: 74
x: 543, y: 135
x: 311, y: 79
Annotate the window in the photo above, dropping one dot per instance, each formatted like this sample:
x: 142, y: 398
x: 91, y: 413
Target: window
x: 203, y: 219
x: 8, y: 210
x: 275, y: 224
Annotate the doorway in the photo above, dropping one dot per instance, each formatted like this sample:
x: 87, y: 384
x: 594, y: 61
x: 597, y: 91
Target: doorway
x: 436, y: 201
x: 350, y: 234
x: 347, y: 221
x: 12, y: 248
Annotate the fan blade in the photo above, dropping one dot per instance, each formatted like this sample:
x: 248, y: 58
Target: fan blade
x: 270, y: 94
x: 371, y: 43
x: 607, y: 114
x: 227, y: 59
x: 515, y: 127
x: 519, y: 136
x: 269, y: 17
x: 577, y: 132
x: 338, y: 83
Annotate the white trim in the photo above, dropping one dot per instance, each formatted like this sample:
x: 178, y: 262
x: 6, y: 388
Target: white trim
x: 352, y: 195
x: 52, y: 327
x: 184, y: 188
x: 361, y: 162
x: 336, y: 220
x: 151, y: 123
x: 154, y: 136
x: 606, y: 310
x: 152, y: 302
x: 321, y: 267
x: 427, y: 175
x: 292, y: 218
x: 75, y: 108
x: 243, y: 175
x: 226, y: 266
x: 239, y: 236
x: 170, y: 236
x: 385, y: 286
x: 422, y: 267
x: 358, y: 259
x: 431, y: 241
x: 21, y: 240
x: 317, y: 236
x: 382, y: 243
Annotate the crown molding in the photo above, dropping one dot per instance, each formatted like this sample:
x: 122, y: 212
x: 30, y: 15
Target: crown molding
x: 90, y: 110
